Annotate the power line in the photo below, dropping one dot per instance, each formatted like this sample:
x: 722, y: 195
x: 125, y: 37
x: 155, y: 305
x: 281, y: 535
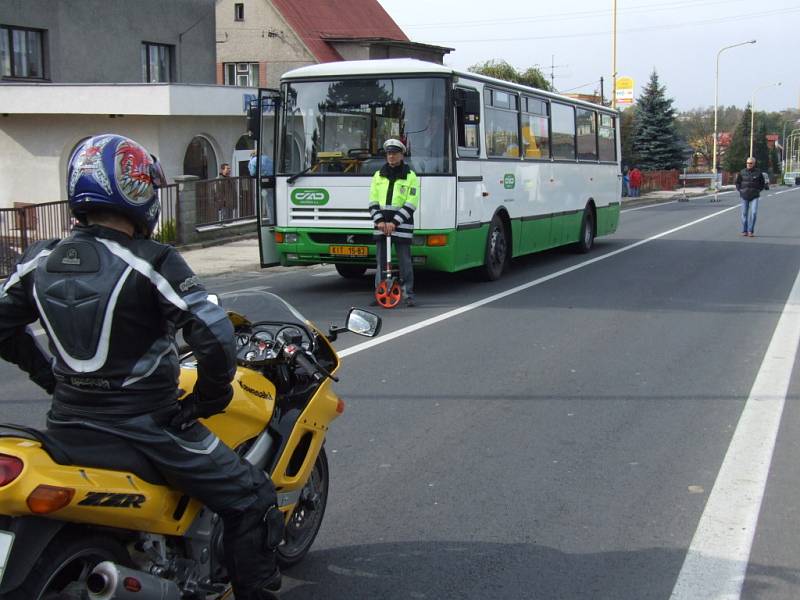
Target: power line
x: 574, y: 15
x: 631, y: 30
x: 577, y: 87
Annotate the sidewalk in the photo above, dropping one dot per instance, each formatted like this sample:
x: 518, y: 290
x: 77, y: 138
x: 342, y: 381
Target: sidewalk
x: 664, y: 196
x: 241, y: 255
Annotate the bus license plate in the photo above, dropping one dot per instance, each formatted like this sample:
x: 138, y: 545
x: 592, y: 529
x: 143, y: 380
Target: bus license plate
x: 349, y: 250
x: 6, y: 541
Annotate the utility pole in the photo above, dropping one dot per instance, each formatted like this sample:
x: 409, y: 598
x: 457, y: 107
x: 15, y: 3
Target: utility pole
x: 614, y: 55
x: 553, y: 68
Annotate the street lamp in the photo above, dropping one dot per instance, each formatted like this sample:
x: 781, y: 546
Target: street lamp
x: 716, y: 102
x: 792, y: 154
x: 753, y: 111
x: 783, y: 142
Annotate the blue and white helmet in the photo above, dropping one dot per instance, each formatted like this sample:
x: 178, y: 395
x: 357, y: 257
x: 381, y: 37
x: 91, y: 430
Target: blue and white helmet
x: 113, y: 172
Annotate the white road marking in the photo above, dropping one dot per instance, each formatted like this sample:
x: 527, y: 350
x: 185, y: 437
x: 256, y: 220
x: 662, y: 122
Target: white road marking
x: 649, y: 206
x: 785, y: 191
x: 515, y: 290
x: 255, y: 288
x: 326, y: 273
x: 716, y: 563
x: 674, y: 201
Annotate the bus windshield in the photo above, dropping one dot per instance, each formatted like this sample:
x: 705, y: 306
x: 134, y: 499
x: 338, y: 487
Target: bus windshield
x: 338, y: 127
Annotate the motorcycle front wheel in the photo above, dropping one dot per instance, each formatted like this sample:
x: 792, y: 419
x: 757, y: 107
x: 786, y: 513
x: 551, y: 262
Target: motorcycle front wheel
x: 61, y: 571
x: 303, y: 526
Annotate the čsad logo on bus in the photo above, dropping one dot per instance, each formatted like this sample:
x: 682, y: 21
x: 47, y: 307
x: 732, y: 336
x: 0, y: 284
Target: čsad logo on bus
x: 310, y: 197
x: 509, y: 181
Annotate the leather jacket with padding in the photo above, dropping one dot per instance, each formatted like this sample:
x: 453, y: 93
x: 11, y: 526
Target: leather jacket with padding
x: 112, y: 306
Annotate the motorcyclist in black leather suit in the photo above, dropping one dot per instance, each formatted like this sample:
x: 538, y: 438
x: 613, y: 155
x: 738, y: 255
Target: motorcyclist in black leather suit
x: 111, y: 301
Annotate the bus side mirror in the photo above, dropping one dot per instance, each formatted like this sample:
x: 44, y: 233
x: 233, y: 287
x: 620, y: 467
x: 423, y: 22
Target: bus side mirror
x: 254, y: 120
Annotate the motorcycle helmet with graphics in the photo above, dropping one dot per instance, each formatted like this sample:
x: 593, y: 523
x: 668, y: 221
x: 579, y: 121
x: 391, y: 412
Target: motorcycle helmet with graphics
x: 113, y: 172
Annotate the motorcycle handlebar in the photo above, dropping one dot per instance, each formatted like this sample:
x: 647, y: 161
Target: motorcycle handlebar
x: 309, y: 366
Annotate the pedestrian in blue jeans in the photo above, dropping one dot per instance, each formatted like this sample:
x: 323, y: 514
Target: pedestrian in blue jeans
x: 749, y: 183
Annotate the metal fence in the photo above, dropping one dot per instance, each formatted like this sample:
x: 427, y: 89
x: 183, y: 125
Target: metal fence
x: 659, y: 180
x: 24, y: 225
x: 166, y: 230
x: 225, y: 200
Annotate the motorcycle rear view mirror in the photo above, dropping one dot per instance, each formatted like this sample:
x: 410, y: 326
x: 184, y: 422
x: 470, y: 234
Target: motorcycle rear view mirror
x: 363, y: 322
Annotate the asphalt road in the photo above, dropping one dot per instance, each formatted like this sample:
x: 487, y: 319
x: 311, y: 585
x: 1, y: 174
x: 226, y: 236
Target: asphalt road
x: 559, y: 433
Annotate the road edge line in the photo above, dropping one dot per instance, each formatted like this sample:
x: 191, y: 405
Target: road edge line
x: 716, y: 561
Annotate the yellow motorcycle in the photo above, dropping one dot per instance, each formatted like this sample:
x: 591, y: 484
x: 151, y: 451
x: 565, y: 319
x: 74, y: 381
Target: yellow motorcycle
x: 83, y: 515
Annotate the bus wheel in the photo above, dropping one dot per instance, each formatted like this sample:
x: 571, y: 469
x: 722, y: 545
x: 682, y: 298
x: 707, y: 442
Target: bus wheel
x: 496, y: 255
x: 586, y: 240
x: 351, y: 271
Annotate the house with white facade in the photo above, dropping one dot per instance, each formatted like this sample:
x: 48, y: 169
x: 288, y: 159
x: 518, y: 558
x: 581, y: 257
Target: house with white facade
x: 70, y: 69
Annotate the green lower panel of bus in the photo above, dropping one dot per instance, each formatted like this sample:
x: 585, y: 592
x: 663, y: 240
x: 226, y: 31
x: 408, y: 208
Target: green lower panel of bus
x: 432, y: 249
x: 438, y: 250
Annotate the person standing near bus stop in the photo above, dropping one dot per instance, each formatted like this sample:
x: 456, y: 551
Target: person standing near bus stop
x: 393, y: 198
x: 634, y: 182
x: 749, y: 183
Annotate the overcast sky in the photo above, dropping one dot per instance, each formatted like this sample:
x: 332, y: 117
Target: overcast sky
x: 679, y: 38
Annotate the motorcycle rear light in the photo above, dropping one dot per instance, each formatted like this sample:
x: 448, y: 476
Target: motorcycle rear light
x: 340, y: 406
x: 132, y: 584
x: 10, y: 468
x: 48, y: 498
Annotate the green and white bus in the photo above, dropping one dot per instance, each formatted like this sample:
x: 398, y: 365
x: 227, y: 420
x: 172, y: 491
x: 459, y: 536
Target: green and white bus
x: 504, y: 169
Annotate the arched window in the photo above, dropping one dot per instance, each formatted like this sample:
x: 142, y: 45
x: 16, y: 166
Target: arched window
x: 200, y: 159
x: 246, y: 143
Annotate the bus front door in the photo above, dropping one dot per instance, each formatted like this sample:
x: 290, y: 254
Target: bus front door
x: 263, y: 119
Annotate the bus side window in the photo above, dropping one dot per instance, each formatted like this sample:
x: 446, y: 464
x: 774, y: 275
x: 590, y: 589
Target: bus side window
x: 606, y: 138
x: 468, y: 117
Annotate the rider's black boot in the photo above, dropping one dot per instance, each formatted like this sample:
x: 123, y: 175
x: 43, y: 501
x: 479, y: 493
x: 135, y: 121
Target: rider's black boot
x: 251, y: 540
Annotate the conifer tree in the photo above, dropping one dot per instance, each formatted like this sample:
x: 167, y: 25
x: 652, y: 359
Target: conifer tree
x: 738, y: 150
x: 656, y: 141
x: 760, y: 146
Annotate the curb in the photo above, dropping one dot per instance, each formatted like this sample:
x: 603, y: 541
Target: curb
x: 217, y: 242
x: 676, y: 195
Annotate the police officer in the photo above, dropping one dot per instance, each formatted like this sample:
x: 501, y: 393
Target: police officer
x: 393, y: 198
x: 111, y: 301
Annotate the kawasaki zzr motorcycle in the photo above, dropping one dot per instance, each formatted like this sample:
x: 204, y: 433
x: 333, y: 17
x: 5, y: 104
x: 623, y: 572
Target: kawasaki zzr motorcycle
x: 85, y: 516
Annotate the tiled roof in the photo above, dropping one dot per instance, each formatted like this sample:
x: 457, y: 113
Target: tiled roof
x: 315, y: 20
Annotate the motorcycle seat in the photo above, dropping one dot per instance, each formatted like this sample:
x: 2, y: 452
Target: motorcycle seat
x: 84, y: 447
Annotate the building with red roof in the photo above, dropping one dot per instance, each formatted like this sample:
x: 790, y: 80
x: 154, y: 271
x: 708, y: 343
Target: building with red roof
x: 259, y: 40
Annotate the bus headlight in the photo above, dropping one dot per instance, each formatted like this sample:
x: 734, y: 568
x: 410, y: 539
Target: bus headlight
x: 291, y: 238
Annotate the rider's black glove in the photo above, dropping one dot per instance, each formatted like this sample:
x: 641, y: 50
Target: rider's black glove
x: 194, y: 406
